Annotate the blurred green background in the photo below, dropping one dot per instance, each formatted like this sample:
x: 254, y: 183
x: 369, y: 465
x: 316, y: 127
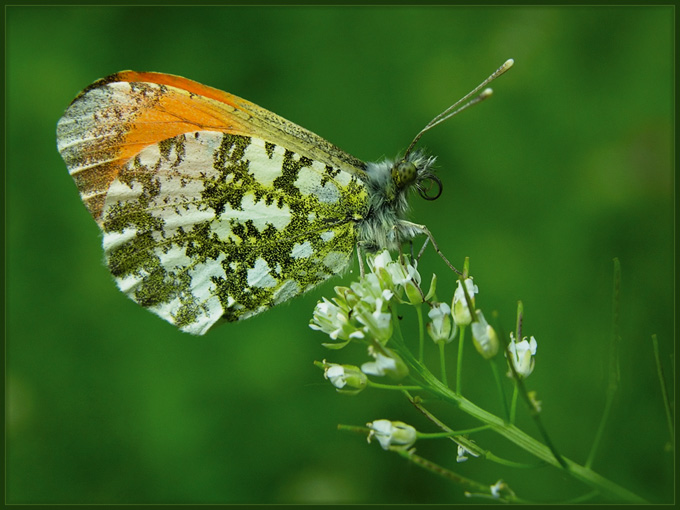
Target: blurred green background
x: 568, y: 166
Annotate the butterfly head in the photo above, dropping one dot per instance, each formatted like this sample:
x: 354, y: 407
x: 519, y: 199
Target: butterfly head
x: 415, y: 171
x: 414, y: 168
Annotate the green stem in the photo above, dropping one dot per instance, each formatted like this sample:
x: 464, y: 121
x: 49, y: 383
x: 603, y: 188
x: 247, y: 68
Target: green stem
x: 451, y: 433
x: 459, y: 362
x: 397, y: 387
x: 442, y: 361
x: 469, y: 485
x: 520, y: 438
x: 664, y: 393
x: 513, y: 405
x: 421, y: 333
x: 461, y: 439
x: 499, y: 386
x: 614, y: 376
x: 510, y: 463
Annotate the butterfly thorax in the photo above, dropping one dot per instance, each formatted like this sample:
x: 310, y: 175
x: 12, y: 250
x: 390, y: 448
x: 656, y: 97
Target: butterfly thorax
x: 389, y: 183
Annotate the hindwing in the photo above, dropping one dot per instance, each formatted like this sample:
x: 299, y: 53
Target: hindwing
x: 212, y: 208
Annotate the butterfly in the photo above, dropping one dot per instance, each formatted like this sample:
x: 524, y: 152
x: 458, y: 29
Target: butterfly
x: 214, y: 209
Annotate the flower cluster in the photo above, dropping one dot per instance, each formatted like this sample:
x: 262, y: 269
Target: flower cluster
x: 361, y: 311
x: 366, y: 313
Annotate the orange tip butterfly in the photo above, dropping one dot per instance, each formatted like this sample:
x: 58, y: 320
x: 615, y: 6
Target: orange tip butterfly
x: 214, y: 209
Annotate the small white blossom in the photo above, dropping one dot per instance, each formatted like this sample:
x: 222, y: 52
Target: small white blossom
x: 392, y: 433
x: 382, y: 259
x: 386, y: 363
x: 441, y: 327
x: 342, y: 376
x: 397, y: 275
x: 484, y: 337
x: 499, y: 486
x: 368, y: 289
x: 334, y: 320
x: 522, y: 355
x: 377, y: 323
x: 461, y: 311
x: 463, y: 453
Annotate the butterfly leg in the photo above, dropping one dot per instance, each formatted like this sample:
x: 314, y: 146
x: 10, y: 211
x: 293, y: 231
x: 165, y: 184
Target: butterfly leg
x: 425, y: 231
x: 422, y: 249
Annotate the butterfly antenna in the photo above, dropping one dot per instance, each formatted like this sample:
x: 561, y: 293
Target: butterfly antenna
x: 454, y: 109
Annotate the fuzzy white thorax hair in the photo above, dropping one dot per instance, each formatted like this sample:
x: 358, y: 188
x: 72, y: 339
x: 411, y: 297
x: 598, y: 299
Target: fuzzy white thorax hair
x: 389, y: 183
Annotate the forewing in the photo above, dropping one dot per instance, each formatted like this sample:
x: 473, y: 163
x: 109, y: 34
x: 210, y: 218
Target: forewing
x: 212, y: 208
x: 116, y: 117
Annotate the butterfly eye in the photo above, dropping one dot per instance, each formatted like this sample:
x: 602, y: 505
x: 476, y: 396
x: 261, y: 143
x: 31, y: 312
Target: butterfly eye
x: 429, y: 187
x: 403, y: 174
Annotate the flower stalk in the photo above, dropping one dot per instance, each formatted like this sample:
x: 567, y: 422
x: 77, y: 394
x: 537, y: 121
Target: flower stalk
x: 366, y: 314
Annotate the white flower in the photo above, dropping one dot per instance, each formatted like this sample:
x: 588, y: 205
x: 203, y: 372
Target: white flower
x: 484, y: 337
x: 386, y: 363
x: 522, y: 355
x: 497, y: 488
x: 392, y: 433
x: 382, y: 259
x: 463, y: 452
x: 461, y: 311
x: 342, y: 376
x: 334, y: 320
x: 369, y: 289
x: 362, y: 311
x: 396, y: 275
x: 440, y: 328
x: 376, y: 322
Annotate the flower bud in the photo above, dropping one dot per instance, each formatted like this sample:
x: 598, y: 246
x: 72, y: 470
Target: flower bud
x: 484, y: 337
x: 392, y: 434
x: 461, y: 311
x: 441, y: 327
x: 414, y: 294
x: 498, y: 488
x: 346, y: 378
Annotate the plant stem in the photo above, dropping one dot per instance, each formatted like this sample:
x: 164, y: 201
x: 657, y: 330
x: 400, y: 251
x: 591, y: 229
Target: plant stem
x: 442, y: 361
x: 421, y: 333
x: 459, y: 363
x: 521, y: 439
x: 664, y: 393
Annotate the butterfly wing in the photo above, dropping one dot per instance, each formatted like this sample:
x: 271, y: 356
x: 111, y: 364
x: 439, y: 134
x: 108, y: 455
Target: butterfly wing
x: 212, y: 208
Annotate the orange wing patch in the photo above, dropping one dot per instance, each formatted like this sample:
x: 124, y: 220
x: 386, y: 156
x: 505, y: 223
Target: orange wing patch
x: 116, y: 117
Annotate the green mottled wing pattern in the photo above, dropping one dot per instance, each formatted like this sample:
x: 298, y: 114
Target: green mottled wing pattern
x: 209, y: 226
